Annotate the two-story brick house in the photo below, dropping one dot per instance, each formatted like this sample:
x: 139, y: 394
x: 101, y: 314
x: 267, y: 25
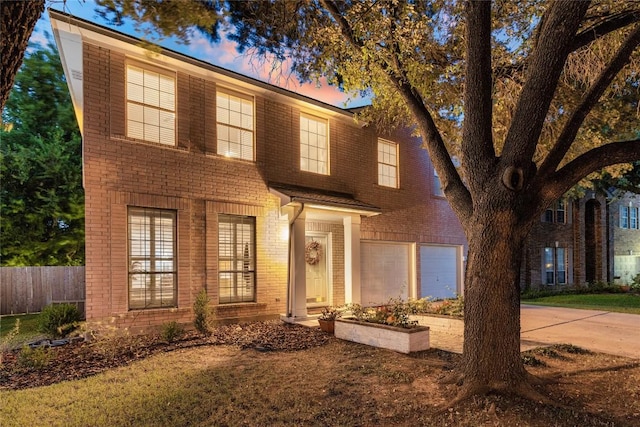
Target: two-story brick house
x: 624, y: 229
x: 197, y: 177
x: 568, y: 246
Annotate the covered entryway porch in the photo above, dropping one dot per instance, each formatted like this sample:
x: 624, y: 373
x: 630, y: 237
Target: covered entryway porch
x: 324, y: 248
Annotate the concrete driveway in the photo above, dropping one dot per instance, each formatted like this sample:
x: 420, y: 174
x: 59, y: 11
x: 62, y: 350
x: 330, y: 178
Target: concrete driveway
x: 599, y: 331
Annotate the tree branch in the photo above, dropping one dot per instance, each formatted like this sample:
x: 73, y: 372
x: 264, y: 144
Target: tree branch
x: 477, y: 134
x: 571, y: 128
x: 609, y: 25
x: 556, y: 35
x: 593, y: 160
x: 453, y: 186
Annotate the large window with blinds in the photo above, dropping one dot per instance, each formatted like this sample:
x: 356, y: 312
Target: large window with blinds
x: 236, y: 258
x: 152, y: 258
x: 151, y: 104
x: 234, y: 117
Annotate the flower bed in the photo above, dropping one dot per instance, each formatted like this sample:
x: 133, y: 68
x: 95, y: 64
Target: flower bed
x: 403, y: 340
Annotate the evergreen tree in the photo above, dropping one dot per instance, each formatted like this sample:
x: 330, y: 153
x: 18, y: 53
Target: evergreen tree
x: 41, y: 196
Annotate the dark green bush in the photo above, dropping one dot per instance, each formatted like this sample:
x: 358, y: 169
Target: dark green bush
x: 58, y: 320
x: 36, y: 358
x: 171, y: 331
x: 202, y: 313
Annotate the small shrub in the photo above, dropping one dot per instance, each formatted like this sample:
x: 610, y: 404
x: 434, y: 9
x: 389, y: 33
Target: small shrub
x: 635, y: 283
x: 58, y: 320
x: 530, y: 360
x: 451, y: 307
x: 394, y: 313
x: 34, y: 358
x: 419, y: 306
x: 171, y: 331
x: 202, y: 313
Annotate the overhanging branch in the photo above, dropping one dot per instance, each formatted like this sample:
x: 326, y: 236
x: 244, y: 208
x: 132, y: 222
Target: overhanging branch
x: 454, y: 189
x: 593, y: 160
x: 571, y: 128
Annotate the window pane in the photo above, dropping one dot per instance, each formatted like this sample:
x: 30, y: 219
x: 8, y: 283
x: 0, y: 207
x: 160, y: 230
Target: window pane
x: 234, y: 116
x: 152, y: 275
x: 236, y: 263
x: 150, y: 105
x: 314, y: 156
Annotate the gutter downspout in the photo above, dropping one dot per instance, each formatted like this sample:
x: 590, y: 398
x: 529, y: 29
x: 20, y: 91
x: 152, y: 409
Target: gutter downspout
x: 290, y: 254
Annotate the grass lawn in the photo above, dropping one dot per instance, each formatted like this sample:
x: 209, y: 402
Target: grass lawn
x: 337, y: 384
x: 621, y: 303
x: 28, y: 328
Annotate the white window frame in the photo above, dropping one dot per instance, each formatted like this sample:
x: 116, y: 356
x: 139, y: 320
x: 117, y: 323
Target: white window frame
x: 314, y: 144
x: 633, y: 218
x: 150, y: 103
x: 152, y: 258
x: 388, y: 161
x: 555, y: 262
x: 557, y: 212
x: 235, y: 125
x: 236, y: 260
x: 624, y: 217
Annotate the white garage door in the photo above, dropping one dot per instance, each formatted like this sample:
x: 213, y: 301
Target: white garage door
x: 439, y: 271
x: 385, y: 271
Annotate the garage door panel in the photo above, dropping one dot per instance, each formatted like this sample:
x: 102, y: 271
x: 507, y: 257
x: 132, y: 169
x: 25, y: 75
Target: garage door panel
x: 439, y: 271
x: 385, y: 272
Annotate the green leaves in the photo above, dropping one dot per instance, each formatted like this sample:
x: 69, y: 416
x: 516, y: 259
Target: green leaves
x: 41, y: 197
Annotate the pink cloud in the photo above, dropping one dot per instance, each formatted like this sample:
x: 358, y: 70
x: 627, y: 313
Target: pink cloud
x: 269, y: 70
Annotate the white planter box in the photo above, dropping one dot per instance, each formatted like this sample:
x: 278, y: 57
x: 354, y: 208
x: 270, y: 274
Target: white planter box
x: 402, y: 340
x: 440, y: 323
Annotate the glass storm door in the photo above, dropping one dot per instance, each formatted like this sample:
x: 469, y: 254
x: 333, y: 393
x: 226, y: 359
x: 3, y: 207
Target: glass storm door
x: 317, y: 257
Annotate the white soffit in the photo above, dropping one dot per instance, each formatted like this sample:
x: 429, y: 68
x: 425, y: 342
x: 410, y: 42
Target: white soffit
x: 69, y: 41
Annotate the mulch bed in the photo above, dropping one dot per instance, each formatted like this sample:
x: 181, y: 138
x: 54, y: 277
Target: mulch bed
x: 82, y: 359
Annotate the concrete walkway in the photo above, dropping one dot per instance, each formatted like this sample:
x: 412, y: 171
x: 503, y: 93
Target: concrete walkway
x: 599, y: 331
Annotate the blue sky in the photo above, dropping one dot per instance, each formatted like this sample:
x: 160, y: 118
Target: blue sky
x: 223, y: 54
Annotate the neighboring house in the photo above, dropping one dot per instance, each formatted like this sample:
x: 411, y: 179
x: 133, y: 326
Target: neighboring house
x: 568, y: 246
x: 624, y: 211
x: 277, y: 204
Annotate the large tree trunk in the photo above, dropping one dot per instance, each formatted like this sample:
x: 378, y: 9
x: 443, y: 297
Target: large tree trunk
x: 17, y: 20
x: 491, y: 353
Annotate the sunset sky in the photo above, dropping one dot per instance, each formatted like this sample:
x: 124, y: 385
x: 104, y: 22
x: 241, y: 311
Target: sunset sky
x: 223, y: 54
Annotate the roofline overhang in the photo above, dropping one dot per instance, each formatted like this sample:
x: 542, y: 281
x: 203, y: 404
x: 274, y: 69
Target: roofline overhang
x: 309, y: 203
x: 112, y: 39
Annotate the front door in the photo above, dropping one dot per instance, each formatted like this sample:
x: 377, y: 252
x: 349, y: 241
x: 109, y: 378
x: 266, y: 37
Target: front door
x: 318, y: 268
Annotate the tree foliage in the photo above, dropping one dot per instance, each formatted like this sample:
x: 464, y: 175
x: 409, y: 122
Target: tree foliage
x: 42, y: 201
x: 17, y: 21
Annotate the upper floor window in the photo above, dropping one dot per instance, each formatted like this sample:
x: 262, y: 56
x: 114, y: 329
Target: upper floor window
x: 314, y: 144
x: 387, y: 163
x: 557, y: 212
x: 629, y: 217
x: 437, y: 184
x: 151, y: 104
x: 234, y: 116
x: 152, y: 258
x: 236, y: 258
x: 555, y: 266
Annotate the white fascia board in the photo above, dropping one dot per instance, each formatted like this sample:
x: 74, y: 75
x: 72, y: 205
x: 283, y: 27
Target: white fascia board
x: 69, y: 42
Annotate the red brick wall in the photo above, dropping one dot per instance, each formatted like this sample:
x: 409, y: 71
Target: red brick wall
x: 198, y: 184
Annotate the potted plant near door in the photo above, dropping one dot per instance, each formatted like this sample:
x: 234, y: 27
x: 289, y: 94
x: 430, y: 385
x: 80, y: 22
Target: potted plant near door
x: 328, y: 317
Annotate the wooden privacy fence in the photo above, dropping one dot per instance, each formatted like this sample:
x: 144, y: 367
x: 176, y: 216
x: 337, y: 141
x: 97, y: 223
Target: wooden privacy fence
x: 30, y: 289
